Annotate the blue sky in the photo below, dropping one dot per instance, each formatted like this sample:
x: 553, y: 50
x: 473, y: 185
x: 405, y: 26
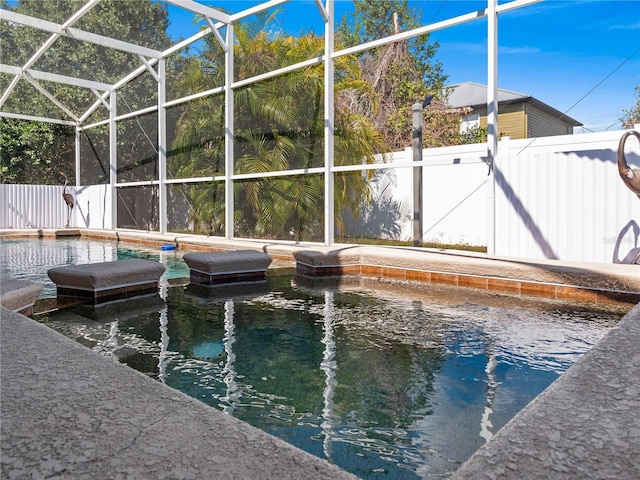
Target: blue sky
x: 581, y: 57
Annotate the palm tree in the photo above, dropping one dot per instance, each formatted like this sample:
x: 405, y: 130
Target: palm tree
x: 279, y: 125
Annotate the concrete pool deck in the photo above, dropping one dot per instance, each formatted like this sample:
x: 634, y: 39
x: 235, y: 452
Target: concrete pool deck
x: 66, y: 411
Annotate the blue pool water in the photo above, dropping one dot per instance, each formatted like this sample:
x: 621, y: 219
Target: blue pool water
x: 391, y: 383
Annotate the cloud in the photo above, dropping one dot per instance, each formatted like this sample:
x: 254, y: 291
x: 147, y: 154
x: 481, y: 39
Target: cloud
x: 465, y: 47
x: 481, y: 48
x: 626, y: 26
x: 518, y: 50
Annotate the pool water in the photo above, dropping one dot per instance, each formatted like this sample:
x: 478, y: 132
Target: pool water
x: 385, y: 383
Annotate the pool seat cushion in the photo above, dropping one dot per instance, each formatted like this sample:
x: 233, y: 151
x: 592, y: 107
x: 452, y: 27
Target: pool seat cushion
x: 211, y: 268
x: 107, y: 280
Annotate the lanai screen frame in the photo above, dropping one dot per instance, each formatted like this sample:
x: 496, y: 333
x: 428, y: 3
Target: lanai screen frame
x: 217, y: 20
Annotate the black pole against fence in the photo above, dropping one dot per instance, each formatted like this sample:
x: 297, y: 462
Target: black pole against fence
x: 416, y: 145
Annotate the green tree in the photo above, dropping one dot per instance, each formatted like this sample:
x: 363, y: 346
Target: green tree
x: 142, y: 22
x: 278, y: 126
x: 475, y: 134
x: 374, y: 20
x: 402, y: 73
x: 632, y: 116
x: 34, y: 152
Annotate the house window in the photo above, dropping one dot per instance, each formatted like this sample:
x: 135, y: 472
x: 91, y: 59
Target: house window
x: 470, y: 122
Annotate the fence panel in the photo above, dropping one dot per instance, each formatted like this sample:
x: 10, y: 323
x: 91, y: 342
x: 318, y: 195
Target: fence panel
x: 562, y: 198
x: 93, y: 207
x: 42, y: 206
x: 33, y: 206
x: 454, y: 195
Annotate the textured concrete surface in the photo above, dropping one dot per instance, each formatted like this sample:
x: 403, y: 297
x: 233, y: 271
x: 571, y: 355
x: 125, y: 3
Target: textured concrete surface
x: 67, y: 412
x: 228, y: 262
x: 585, y: 425
x: 19, y: 295
x: 107, y: 275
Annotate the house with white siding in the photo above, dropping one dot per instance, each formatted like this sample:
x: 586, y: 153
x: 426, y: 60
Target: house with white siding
x: 519, y: 115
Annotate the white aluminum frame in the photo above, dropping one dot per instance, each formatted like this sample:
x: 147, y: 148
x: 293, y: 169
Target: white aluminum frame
x: 150, y: 58
x: 492, y: 119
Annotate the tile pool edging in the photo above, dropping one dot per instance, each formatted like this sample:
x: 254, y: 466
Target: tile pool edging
x: 555, y: 291
x: 354, y: 260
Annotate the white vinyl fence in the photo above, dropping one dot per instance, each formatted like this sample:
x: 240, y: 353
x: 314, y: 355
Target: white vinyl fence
x: 42, y: 206
x: 555, y: 198
x: 33, y: 206
x: 564, y: 199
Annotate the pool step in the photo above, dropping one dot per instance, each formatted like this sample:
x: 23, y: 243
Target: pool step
x: 214, y: 268
x: 106, y: 281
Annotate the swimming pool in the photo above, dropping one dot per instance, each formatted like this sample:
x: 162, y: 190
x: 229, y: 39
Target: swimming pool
x: 391, y: 383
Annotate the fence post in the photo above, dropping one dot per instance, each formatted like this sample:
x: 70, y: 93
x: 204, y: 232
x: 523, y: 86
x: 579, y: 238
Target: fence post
x: 416, y: 145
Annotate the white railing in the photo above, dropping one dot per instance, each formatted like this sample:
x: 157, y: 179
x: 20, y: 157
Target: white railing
x: 556, y: 198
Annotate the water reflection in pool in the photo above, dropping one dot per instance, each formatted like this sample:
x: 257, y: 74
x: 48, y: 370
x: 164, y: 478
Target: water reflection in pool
x: 380, y: 384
